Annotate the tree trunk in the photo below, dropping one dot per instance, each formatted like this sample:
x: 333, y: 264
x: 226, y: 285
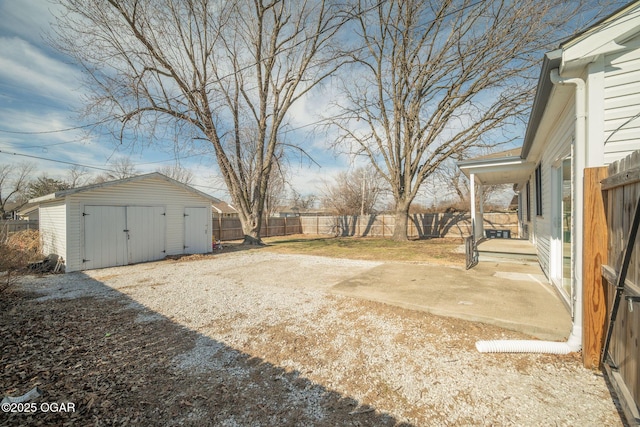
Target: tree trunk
x: 251, y: 229
x: 400, y: 225
x: 250, y: 239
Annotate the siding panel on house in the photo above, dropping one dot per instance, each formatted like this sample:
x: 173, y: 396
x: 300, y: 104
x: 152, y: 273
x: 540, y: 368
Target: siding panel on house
x: 558, y: 147
x: 621, y: 93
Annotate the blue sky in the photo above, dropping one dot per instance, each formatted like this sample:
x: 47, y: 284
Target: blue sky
x: 41, y: 94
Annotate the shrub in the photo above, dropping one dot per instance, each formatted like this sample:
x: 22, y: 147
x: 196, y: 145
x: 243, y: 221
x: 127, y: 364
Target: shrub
x: 16, y: 252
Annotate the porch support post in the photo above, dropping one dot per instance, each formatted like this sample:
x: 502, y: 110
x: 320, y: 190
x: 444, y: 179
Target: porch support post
x: 472, y: 192
x: 481, y: 211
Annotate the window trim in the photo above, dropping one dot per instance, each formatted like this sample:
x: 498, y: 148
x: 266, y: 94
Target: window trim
x: 538, y: 179
x: 528, y: 201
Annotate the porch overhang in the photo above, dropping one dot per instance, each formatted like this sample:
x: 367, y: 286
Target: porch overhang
x: 507, y: 167
x: 502, y: 170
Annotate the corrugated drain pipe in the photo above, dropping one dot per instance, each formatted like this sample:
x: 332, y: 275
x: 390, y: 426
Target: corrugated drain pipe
x: 574, y: 343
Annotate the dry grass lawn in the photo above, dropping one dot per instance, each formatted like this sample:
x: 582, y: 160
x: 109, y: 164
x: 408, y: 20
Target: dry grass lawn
x: 439, y: 251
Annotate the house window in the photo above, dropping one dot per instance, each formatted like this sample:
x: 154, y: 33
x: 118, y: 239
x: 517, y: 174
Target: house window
x: 528, y: 195
x: 539, y: 190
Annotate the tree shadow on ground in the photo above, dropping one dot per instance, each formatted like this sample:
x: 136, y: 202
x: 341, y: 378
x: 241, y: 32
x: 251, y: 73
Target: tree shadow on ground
x: 120, y: 363
x: 440, y: 224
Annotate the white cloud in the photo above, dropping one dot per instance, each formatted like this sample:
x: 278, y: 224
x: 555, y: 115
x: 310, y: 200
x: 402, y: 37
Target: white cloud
x: 29, y: 19
x: 42, y: 120
x: 24, y: 65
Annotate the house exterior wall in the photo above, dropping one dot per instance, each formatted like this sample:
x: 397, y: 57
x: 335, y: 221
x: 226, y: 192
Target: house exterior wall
x: 556, y: 146
x: 621, y: 93
x: 53, y: 228
x: 613, y: 131
x: 149, y: 192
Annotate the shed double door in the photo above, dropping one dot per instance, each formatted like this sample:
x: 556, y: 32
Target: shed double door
x: 121, y: 235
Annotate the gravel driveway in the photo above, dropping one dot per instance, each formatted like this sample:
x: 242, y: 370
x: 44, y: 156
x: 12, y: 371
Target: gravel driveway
x: 264, y: 341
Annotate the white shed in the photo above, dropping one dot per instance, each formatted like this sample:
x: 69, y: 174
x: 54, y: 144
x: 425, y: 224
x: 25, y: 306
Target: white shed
x: 131, y: 220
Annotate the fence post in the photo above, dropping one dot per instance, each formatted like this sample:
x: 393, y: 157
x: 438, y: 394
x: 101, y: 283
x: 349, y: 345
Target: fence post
x: 594, y: 255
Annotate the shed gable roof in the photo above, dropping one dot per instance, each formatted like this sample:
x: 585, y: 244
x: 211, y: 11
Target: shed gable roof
x: 133, y: 179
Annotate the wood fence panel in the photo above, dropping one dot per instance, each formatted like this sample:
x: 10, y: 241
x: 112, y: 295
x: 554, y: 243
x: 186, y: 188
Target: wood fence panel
x: 231, y: 228
x: 594, y: 256
x: 11, y: 226
x: 622, y: 191
x: 452, y: 225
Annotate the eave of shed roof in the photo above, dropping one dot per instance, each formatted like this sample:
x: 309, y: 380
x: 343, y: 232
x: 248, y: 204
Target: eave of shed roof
x: 137, y: 178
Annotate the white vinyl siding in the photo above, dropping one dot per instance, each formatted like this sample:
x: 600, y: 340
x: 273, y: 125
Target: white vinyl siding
x: 557, y: 147
x: 621, y: 94
x: 53, y: 229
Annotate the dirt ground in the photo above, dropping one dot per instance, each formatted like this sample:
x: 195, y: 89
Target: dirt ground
x: 258, y: 339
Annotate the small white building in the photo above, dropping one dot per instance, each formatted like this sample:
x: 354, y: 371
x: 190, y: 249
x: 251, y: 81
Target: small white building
x: 131, y: 220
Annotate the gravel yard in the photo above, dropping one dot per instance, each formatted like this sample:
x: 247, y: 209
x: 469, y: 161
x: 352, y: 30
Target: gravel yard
x: 258, y: 338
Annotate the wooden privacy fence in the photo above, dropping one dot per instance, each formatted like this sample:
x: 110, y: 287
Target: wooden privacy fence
x: 456, y: 225
x: 12, y: 226
x: 621, y: 192
x: 231, y: 229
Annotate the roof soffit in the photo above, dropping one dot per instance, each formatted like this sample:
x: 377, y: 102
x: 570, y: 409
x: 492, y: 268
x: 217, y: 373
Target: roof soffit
x: 608, y: 36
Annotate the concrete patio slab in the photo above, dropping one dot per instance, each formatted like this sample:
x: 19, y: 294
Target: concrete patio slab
x: 511, y: 295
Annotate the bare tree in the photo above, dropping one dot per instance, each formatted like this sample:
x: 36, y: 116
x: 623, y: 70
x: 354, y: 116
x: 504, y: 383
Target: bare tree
x: 302, y: 202
x: 178, y: 173
x: 438, y: 78
x: 452, y: 186
x: 276, y: 190
x: 353, y: 192
x: 120, y: 168
x: 77, y: 177
x: 14, y: 179
x: 213, y: 71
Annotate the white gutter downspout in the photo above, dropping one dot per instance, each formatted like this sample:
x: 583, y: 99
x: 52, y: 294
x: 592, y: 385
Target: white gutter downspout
x: 574, y: 343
